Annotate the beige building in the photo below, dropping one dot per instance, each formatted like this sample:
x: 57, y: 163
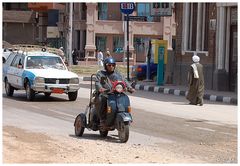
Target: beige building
x: 102, y: 26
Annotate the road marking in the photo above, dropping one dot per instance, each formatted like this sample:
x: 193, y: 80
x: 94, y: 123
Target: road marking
x: 227, y: 99
x: 146, y: 87
x: 156, y: 88
x: 166, y: 91
x: 206, y: 129
x: 35, y: 106
x: 213, y: 98
x: 137, y: 87
x: 177, y: 92
x: 61, y: 113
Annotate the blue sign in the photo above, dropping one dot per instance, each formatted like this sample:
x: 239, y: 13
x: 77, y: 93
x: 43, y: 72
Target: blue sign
x: 127, y: 7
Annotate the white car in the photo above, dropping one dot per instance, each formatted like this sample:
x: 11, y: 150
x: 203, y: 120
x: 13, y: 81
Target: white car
x: 5, y: 54
x: 39, y: 72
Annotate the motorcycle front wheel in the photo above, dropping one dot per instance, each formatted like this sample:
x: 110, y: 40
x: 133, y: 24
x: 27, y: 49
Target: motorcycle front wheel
x: 123, y: 133
x: 79, y: 125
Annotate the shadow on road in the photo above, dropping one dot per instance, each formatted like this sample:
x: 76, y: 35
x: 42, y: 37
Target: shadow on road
x: 38, y: 98
x: 110, y: 138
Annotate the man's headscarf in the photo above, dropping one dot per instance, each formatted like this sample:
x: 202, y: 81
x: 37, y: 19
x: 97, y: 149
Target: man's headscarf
x: 195, y: 58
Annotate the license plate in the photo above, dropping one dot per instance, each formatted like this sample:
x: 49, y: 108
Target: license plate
x: 57, y: 90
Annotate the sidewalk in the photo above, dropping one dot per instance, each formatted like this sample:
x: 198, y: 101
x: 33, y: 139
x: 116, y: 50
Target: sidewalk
x: 217, y: 96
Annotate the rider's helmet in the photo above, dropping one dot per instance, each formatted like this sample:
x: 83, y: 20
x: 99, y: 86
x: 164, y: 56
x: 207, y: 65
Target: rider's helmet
x: 108, y: 61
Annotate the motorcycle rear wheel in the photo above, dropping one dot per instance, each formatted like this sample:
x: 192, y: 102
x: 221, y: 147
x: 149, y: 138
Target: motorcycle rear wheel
x: 123, y: 133
x: 103, y: 133
x: 78, y: 125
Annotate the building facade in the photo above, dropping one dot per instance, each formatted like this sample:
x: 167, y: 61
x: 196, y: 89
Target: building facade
x: 102, y: 26
x: 207, y: 29
x: 18, y: 19
x: 37, y: 21
x: 210, y: 31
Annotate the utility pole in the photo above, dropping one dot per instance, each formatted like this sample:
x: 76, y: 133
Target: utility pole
x: 128, y: 47
x: 127, y: 8
x: 70, y: 34
x: 125, y: 41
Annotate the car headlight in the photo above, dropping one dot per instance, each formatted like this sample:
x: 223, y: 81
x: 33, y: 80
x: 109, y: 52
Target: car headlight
x: 39, y: 80
x: 74, y: 81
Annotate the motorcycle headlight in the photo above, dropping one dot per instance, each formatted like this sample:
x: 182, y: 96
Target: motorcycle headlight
x: 119, y: 88
x: 74, y: 81
x: 39, y: 80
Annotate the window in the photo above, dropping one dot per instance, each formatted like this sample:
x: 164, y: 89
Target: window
x: 83, y: 11
x: 195, y: 27
x: 141, y: 44
x: 101, y: 42
x: 143, y: 9
x: 102, y: 11
x: 53, y: 17
x: 16, y: 61
x: 109, y: 11
x: 16, y: 6
x: 118, y: 42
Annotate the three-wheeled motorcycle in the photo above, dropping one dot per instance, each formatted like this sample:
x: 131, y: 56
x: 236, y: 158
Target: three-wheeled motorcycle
x: 118, y: 112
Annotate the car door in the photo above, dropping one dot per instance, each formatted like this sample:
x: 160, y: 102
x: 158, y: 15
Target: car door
x: 12, y: 71
x: 19, y: 72
x: 7, y: 64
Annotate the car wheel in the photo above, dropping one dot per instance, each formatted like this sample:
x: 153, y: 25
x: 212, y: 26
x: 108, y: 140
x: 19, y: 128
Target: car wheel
x: 8, y: 88
x: 30, y: 94
x: 47, y: 94
x: 72, y: 96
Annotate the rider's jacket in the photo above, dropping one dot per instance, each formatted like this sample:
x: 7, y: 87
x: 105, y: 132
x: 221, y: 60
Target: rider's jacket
x: 103, y: 79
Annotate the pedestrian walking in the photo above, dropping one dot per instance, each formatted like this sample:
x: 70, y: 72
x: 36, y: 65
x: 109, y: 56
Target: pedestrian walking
x: 108, y: 54
x: 75, y: 56
x: 100, y: 58
x: 196, y: 82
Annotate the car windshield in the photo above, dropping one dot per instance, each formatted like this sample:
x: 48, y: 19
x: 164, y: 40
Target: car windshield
x: 44, y: 62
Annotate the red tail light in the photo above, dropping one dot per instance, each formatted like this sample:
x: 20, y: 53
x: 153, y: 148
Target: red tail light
x: 139, y: 69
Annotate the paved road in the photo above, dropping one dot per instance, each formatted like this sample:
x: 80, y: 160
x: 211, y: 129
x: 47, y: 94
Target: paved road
x: 208, y: 133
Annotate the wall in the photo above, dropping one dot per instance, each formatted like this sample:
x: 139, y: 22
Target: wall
x: 182, y: 61
x: 16, y: 37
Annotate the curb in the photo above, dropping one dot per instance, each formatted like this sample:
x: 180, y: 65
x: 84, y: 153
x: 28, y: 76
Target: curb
x: 177, y: 92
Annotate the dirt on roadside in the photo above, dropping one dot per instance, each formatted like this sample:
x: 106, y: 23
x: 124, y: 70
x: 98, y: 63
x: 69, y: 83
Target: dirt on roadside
x: 22, y: 146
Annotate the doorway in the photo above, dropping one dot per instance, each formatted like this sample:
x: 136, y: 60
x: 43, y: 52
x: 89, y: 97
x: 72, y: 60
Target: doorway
x: 233, y: 59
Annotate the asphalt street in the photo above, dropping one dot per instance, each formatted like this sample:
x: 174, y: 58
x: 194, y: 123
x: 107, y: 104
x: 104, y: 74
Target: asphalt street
x: 167, y: 121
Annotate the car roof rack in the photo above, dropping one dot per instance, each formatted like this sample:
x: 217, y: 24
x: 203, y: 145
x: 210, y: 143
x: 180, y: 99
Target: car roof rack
x: 28, y: 48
